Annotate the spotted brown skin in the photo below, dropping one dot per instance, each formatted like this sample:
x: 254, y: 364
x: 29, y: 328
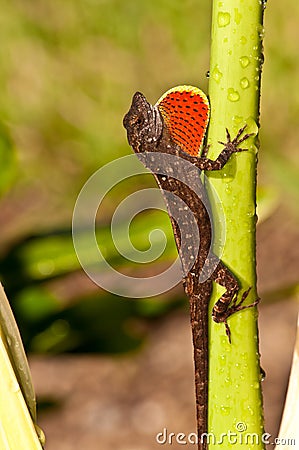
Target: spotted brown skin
x: 160, y: 129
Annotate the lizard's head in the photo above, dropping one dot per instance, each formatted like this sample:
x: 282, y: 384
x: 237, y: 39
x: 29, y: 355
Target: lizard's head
x: 143, y: 123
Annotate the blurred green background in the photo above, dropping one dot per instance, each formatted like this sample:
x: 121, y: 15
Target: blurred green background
x: 68, y: 72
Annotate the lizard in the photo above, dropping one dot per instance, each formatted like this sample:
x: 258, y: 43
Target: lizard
x: 175, y: 127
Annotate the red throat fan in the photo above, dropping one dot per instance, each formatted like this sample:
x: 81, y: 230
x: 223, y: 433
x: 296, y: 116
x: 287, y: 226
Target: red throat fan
x: 185, y: 110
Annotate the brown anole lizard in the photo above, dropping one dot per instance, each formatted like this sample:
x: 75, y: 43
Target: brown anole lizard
x: 167, y: 138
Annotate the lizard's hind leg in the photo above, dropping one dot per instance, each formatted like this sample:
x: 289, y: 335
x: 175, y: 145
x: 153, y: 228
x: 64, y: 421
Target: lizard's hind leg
x: 228, y: 303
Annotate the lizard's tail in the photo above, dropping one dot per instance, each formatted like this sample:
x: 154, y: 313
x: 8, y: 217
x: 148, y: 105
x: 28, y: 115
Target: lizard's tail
x: 199, y: 305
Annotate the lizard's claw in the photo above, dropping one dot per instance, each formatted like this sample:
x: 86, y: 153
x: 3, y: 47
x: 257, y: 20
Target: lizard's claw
x: 233, y: 145
x: 228, y: 138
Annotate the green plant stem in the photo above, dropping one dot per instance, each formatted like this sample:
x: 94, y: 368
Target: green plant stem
x: 234, y: 89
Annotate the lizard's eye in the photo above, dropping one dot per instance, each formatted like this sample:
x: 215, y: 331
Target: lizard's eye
x: 137, y: 120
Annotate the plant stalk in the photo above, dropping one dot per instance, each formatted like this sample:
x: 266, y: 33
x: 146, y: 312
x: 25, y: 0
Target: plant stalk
x: 235, y: 400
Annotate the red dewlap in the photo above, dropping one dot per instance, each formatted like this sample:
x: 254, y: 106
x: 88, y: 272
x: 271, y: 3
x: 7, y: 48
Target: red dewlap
x: 186, y: 115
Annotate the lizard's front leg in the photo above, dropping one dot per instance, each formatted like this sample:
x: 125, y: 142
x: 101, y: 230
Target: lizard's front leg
x: 231, y: 146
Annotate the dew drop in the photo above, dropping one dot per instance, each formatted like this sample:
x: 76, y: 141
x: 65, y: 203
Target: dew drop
x: 225, y: 410
x: 222, y: 360
x: 238, y: 16
x: 244, y: 61
x: 232, y: 95
x: 250, y: 410
x: 261, y: 61
x: 217, y: 74
x: 261, y: 32
x: 220, y: 371
x: 223, y: 19
x: 21, y: 368
x: 251, y: 210
x: 243, y: 40
x: 237, y: 121
x: 244, y: 83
